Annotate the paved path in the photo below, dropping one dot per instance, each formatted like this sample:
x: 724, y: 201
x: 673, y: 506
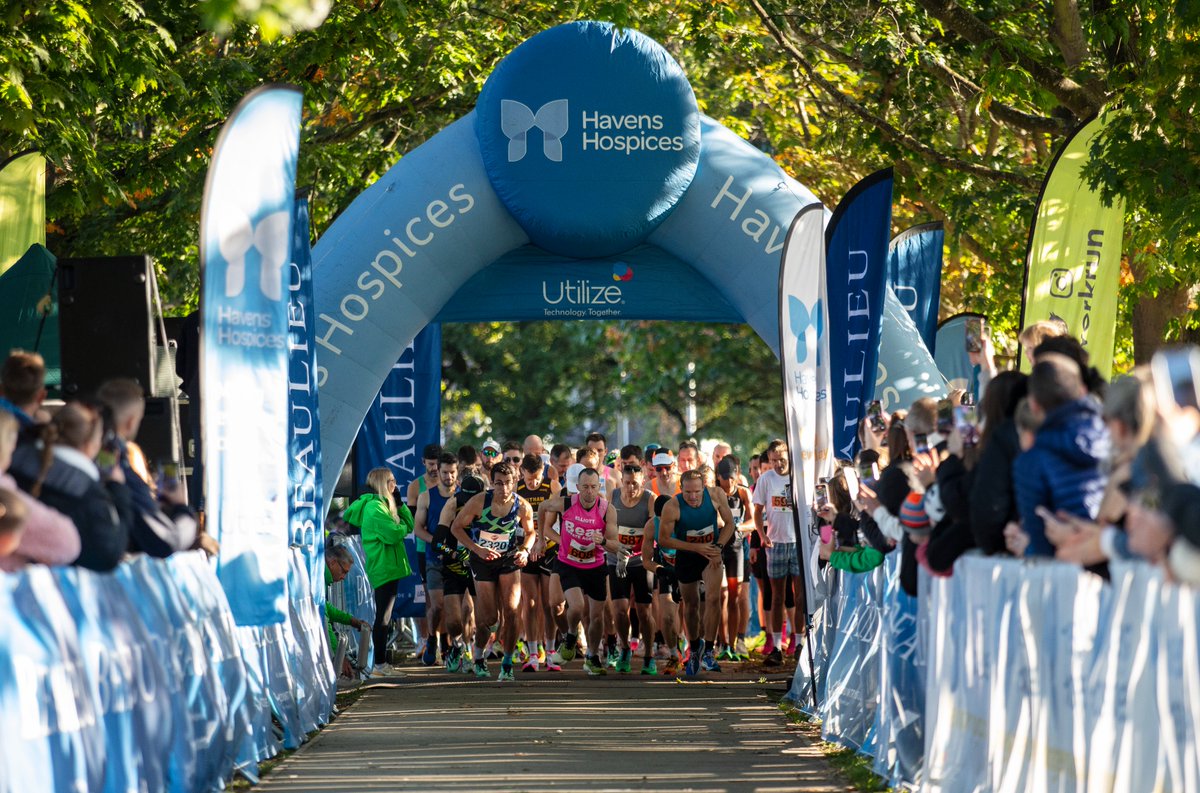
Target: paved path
x: 560, y: 731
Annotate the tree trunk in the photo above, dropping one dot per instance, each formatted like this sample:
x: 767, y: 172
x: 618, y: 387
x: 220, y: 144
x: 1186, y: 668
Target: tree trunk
x: 1150, y: 318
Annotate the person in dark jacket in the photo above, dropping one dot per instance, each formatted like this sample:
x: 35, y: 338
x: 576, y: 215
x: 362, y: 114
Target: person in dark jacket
x: 157, y: 530
x: 64, y: 475
x: 992, y: 503
x: 1064, y: 469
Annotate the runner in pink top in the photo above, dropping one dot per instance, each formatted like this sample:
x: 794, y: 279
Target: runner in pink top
x: 588, y: 525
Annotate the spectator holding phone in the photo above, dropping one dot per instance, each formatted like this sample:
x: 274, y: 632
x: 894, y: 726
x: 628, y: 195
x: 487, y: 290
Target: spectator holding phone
x: 992, y: 502
x: 49, y: 537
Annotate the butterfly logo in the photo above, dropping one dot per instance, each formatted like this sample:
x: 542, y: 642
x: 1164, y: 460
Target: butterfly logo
x: 802, y: 318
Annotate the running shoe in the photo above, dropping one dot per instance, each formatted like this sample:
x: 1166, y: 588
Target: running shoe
x: 506, y: 674
x: 709, y: 663
x: 774, y: 658
x: 671, y: 667
x: 726, y: 653
x: 385, y: 670
x: 692, y: 667
x: 649, y: 667
x: 794, y: 648
x: 740, y: 652
x: 624, y: 661
x: 429, y: 654
x: 613, y: 657
x: 662, y: 652
x: 481, y: 669
x: 769, y: 646
x: 594, y: 668
x: 541, y: 655
x: 567, y: 652
x: 521, y: 655
x: 454, y: 659
x: 754, y: 642
x: 553, y: 663
x: 531, y: 665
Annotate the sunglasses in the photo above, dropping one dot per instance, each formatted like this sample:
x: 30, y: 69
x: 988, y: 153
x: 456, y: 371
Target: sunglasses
x: 632, y: 469
x: 661, y: 468
x: 513, y: 460
x: 490, y: 453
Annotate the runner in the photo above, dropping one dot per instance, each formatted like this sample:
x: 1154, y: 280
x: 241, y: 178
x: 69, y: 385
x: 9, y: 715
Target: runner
x: 689, y: 457
x: 561, y: 458
x: 773, y: 521
x: 733, y: 557
x: 457, y: 583
x: 431, y: 502
x: 535, y: 577
x: 666, y: 478
x: 689, y: 525
x: 429, y: 456
x: 588, y: 525
x: 626, y: 572
x: 660, y: 561
x: 497, y: 528
x: 489, y: 456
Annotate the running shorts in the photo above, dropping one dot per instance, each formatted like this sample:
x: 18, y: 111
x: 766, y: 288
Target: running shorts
x: 592, y: 580
x: 636, y: 583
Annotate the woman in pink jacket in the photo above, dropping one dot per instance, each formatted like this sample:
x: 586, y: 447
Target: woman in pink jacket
x: 50, y: 537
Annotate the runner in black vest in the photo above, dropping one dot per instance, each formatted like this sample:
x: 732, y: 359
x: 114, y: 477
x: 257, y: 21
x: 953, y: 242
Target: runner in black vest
x: 535, y: 577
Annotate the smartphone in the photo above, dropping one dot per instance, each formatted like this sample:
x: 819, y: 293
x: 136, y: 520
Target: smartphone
x: 922, y: 443
x: 851, y: 477
x: 975, y: 328
x: 868, y: 472
x: 106, y: 460
x: 821, y: 495
x: 945, y: 417
x: 1174, y: 372
x: 967, y: 423
x: 875, y: 414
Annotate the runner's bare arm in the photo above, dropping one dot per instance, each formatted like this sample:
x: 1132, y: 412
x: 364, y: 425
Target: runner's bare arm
x: 469, y: 512
x: 666, y: 527
x: 746, y: 527
x: 421, y: 518
x: 724, y: 513
x: 525, y: 516
x: 759, y: 511
x: 414, y: 490
x: 648, y: 546
x: 612, y: 541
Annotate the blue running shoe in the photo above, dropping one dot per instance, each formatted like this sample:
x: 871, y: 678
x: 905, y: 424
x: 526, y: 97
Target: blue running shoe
x: 429, y: 657
x: 709, y: 662
x: 692, y: 667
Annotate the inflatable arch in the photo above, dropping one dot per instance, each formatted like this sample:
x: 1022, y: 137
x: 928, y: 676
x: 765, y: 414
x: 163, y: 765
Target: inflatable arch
x: 586, y: 184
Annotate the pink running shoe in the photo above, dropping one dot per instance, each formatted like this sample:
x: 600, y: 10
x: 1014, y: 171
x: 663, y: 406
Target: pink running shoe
x: 531, y: 665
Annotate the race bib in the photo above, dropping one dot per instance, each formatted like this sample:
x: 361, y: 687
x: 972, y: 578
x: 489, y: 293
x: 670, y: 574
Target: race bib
x: 494, y: 542
x: 701, y: 535
x: 782, y: 502
x: 630, y: 537
x: 582, y: 553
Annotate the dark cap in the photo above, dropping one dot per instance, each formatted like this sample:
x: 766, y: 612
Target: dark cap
x: 727, y: 468
x: 472, y: 484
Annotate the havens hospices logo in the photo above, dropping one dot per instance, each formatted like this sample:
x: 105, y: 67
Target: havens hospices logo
x: 801, y: 318
x: 516, y: 120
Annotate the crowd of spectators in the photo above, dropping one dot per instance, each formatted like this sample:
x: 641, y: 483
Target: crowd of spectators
x: 1057, y: 464
x: 75, y: 487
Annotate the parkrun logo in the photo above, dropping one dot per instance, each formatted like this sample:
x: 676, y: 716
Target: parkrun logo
x: 581, y: 298
x: 629, y: 133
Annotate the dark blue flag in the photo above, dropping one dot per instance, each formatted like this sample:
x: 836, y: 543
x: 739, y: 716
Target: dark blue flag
x: 856, y: 268
x: 914, y: 272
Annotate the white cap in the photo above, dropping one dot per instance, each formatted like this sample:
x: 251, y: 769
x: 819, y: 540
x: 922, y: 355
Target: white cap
x: 573, y: 477
x: 490, y: 444
x: 663, y: 458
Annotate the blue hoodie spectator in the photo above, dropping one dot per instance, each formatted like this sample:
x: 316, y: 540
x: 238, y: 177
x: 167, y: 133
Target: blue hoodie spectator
x: 1063, y: 469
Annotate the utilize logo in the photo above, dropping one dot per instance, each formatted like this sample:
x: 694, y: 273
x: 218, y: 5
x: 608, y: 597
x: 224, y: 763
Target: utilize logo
x: 236, y: 238
x: 1062, y: 283
x: 622, y: 272
x: 517, y: 119
x: 801, y: 318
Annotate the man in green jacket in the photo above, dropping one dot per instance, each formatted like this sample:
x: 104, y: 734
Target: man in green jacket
x: 338, y: 561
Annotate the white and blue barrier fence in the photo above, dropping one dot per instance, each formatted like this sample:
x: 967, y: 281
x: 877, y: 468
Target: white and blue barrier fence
x: 139, y: 679
x: 1013, y: 676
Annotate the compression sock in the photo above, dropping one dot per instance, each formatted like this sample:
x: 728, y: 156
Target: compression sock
x: 777, y: 639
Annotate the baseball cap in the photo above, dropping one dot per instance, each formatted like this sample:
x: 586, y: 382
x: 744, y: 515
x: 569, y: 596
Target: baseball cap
x: 491, y: 444
x: 573, y: 477
x: 662, y: 458
x: 652, y: 447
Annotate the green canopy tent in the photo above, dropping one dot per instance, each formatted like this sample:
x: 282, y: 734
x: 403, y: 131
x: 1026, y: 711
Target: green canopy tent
x: 27, y: 295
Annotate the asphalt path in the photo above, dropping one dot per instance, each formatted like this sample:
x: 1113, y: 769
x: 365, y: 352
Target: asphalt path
x: 432, y: 731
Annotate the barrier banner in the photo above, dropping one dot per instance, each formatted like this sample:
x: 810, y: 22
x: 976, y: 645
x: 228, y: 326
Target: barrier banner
x: 900, y: 722
x: 48, y: 714
x: 824, y: 633
x: 914, y: 272
x: 245, y: 243
x: 906, y: 370
x: 856, y: 275
x: 1178, y: 687
x: 852, y: 691
x: 803, y: 348
x: 125, y: 678
x: 22, y: 206
x: 306, y: 512
x: 357, y: 599
x: 314, y: 672
x: 1073, y: 269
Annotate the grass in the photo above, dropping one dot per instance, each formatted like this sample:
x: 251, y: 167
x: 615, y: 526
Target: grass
x: 854, y: 767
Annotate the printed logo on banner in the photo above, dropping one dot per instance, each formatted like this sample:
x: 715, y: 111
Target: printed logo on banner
x: 580, y: 298
x: 516, y: 120
x: 237, y: 239
x: 1062, y: 283
x: 622, y: 272
x: 803, y: 317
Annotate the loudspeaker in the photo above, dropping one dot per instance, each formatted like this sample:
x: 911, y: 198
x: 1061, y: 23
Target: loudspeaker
x: 161, y: 426
x: 104, y: 322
